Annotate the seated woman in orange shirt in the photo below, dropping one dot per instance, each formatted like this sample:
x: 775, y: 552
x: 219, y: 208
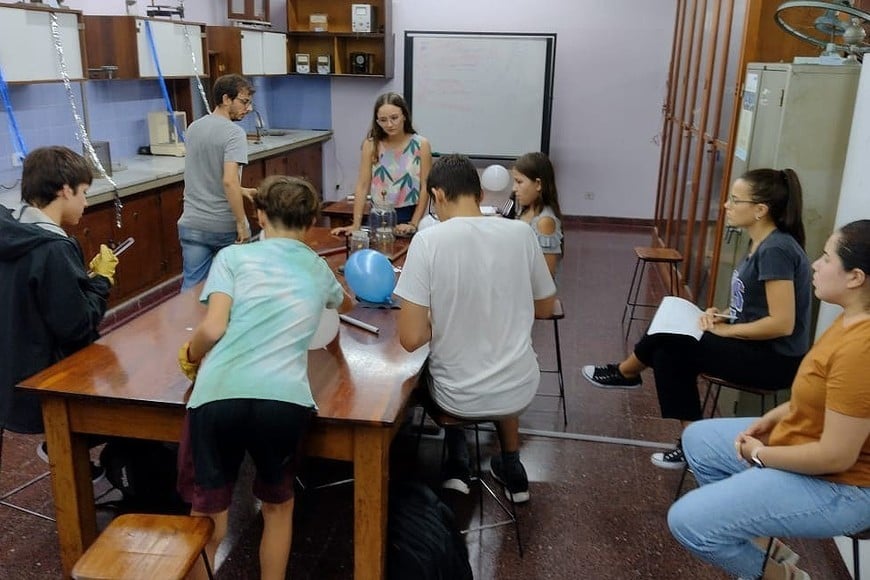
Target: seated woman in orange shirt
x: 803, y: 469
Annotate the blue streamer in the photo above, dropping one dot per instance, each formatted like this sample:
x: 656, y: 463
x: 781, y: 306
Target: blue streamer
x: 166, y: 100
x: 17, y: 139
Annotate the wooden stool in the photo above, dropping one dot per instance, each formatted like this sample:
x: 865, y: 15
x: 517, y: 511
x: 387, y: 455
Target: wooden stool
x: 714, y: 387
x: 558, y: 314
x: 146, y: 546
x: 667, y: 256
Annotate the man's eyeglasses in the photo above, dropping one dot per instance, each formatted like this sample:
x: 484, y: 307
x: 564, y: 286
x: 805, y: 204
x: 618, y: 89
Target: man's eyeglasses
x: 391, y: 120
x: 245, y: 102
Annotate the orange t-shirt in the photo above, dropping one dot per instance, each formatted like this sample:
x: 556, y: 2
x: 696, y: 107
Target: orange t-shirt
x: 835, y: 375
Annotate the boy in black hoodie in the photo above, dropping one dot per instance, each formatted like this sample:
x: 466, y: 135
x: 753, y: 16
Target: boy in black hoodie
x: 50, y: 305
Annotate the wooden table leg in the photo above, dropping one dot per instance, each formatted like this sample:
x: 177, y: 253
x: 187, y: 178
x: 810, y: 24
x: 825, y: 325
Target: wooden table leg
x: 70, y: 483
x: 371, y: 476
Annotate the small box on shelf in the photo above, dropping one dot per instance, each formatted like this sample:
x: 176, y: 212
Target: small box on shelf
x: 318, y: 22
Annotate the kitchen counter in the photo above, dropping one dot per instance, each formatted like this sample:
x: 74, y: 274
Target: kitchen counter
x: 145, y: 172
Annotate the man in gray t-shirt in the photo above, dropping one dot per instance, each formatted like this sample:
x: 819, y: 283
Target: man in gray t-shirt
x: 214, y: 211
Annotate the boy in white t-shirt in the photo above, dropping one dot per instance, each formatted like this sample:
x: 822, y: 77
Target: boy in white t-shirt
x: 471, y: 287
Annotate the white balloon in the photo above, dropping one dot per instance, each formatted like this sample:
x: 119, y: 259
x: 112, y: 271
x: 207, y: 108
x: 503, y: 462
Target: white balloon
x: 495, y: 178
x: 326, y: 330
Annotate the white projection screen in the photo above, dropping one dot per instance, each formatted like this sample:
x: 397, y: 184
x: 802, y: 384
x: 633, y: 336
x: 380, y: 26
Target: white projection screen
x: 485, y: 95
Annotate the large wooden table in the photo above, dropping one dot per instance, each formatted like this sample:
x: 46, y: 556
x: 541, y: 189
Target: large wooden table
x: 128, y: 384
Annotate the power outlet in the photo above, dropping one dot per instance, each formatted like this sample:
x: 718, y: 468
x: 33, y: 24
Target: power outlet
x: 16, y: 160
x: 589, y: 195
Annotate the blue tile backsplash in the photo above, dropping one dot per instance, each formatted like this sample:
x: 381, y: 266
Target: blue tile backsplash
x: 116, y: 111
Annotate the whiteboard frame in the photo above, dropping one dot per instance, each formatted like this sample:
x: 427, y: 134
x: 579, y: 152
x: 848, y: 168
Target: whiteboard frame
x: 549, y: 72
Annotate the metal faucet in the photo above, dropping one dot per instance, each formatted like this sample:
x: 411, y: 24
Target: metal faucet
x: 258, y: 124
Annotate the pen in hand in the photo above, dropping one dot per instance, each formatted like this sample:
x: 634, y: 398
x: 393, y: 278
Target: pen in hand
x: 726, y: 316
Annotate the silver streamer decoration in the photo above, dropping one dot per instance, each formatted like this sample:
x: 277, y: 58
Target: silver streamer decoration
x: 81, y: 132
x: 195, y: 69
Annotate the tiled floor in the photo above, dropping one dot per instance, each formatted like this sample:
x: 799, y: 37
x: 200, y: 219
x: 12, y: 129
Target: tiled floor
x: 597, y: 509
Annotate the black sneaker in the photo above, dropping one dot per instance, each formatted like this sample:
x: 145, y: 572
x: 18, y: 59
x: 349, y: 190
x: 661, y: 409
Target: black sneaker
x: 98, y: 473
x: 515, y: 482
x: 609, y: 377
x: 457, y: 476
x: 673, y: 459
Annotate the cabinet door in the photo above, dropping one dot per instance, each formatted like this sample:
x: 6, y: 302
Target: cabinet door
x: 252, y: 52
x: 274, y: 53
x: 173, y: 49
x: 252, y: 175
x: 171, y: 206
x: 277, y: 165
x: 308, y: 163
x: 27, y: 50
x: 96, y: 227
x: 141, y: 266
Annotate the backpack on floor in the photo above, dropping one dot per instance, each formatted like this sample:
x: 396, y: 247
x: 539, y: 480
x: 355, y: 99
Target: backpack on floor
x: 145, y: 472
x: 423, y: 541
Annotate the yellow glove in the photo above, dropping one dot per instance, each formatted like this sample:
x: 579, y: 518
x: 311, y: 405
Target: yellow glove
x: 188, y: 368
x: 104, y: 263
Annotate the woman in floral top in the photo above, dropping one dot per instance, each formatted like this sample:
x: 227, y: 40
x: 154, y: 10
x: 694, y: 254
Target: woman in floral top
x: 394, y: 165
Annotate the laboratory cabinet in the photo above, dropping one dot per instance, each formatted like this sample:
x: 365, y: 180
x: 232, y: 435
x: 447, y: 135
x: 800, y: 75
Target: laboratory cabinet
x: 794, y: 116
x: 117, y: 47
x: 28, y: 52
x: 246, y: 50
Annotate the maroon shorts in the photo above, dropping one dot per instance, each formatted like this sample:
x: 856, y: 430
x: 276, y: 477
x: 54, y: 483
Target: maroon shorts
x: 215, y: 438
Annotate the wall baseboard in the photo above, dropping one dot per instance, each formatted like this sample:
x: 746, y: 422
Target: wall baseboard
x: 605, y: 220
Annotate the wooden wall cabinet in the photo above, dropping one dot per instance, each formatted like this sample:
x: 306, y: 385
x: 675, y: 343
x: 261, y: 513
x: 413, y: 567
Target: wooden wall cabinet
x: 339, y: 41
x: 248, y: 51
x: 118, y: 47
x: 250, y: 10
x: 27, y: 50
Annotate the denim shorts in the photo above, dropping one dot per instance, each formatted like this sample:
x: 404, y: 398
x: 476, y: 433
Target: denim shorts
x: 198, y: 249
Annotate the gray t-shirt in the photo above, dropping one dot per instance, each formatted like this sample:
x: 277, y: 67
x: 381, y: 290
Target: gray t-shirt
x: 778, y: 257
x: 210, y: 142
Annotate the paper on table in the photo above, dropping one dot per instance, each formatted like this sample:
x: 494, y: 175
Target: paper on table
x: 677, y: 316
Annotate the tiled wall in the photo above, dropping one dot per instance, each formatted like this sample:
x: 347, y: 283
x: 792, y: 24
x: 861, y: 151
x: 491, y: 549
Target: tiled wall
x: 117, y: 112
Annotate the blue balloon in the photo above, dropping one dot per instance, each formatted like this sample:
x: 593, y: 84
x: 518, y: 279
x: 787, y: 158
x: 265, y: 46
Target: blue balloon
x: 370, y: 275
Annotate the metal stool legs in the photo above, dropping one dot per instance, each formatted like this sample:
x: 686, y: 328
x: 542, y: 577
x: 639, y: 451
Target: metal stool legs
x: 558, y: 314
x: 21, y: 487
x: 668, y: 256
x: 714, y: 383
x: 511, y: 511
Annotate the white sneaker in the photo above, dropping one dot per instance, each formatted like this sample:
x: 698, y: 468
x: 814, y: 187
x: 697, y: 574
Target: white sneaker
x: 673, y: 459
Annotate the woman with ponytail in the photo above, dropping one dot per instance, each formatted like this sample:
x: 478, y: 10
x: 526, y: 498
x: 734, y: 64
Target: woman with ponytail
x: 762, y: 336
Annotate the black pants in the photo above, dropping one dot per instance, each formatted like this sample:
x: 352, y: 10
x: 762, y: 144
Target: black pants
x: 677, y: 360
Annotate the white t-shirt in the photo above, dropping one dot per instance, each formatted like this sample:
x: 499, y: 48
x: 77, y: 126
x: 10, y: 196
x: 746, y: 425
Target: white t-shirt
x: 479, y: 277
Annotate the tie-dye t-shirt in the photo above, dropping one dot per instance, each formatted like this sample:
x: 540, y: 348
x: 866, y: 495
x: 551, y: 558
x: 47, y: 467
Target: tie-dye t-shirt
x: 398, y: 174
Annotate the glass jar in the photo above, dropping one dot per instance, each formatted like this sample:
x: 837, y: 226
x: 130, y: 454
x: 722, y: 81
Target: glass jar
x: 382, y: 224
x: 359, y: 240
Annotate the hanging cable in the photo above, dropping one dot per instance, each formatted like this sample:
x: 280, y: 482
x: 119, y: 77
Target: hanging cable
x: 14, y: 131
x: 195, y: 69
x: 162, y: 81
x: 81, y: 131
